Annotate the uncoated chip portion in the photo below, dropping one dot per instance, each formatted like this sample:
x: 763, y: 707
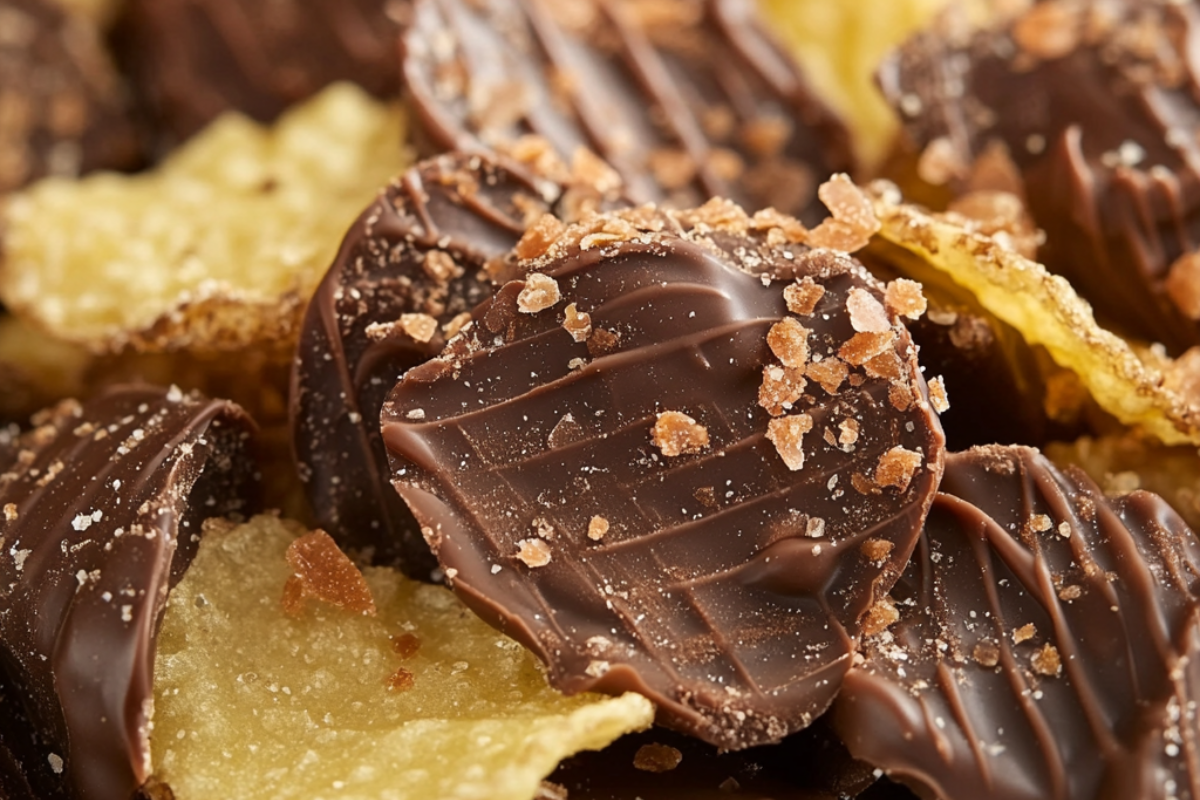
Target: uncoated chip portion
x: 421, y: 700
x: 219, y: 247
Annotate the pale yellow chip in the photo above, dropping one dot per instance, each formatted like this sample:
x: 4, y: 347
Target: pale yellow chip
x: 1046, y: 311
x: 840, y: 45
x: 252, y: 704
x: 1125, y: 462
x: 218, y: 247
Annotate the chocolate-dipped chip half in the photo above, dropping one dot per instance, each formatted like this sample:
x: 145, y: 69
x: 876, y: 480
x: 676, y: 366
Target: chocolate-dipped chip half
x: 1046, y: 643
x: 1094, y: 103
x: 687, y: 100
x: 407, y: 274
x: 190, y: 60
x: 100, y: 513
x: 682, y: 454
x: 65, y: 108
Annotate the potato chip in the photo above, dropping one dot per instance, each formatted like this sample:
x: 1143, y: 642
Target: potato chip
x: 840, y: 45
x: 1047, y: 312
x: 218, y: 247
x: 1125, y: 462
x: 422, y: 700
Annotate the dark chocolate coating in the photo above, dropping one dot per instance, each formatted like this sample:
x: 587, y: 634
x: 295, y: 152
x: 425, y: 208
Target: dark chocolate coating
x: 809, y: 765
x: 63, y: 108
x: 1104, y: 138
x: 687, y: 100
x: 705, y: 594
x: 99, y: 514
x: 953, y: 700
x: 470, y: 208
x: 190, y: 60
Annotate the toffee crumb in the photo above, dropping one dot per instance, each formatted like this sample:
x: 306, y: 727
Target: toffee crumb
x: 787, y: 434
x: 533, y: 552
x: 788, y: 340
x: 406, y: 645
x: 322, y: 571
x: 1046, y: 661
x: 401, y: 680
x: 937, y: 395
x: 897, y: 467
x: 675, y: 434
x: 803, y: 295
x: 597, y: 528
x: 540, y: 292
x: 577, y: 323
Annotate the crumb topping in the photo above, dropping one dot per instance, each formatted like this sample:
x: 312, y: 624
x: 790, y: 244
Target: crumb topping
x: 320, y: 570
x: 787, y: 434
x: 657, y: 758
x: 675, y: 434
x: 597, y: 528
x: 540, y: 292
x: 577, y: 323
x: 897, y: 467
x: 533, y: 553
x: 788, y: 340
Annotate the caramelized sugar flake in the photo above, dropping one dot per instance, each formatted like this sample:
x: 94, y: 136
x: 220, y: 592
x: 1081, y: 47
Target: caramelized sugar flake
x: 406, y: 645
x: 897, y: 467
x: 788, y: 340
x: 864, y: 346
x: 803, y: 295
x: 906, y: 298
x: 880, y: 616
x: 876, y: 550
x: 533, y: 553
x: 322, y: 571
x: 421, y: 327
x: 937, y: 395
x: 675, y: 434
x: 602, y: 342
x: 657, y: 758
x: 539, y: 237
x: 540, y: 292
x: 867, y: 314
x: 853, y: 222
x: 1046, y: 661
x: 781, y: 387
x: 829, y: 372
x: 787, y: 434
x: 1024, y: 633
x: 597, y: 528
x: 401, y: 680
x: 439, y: 266
x: 577, y: 323
x: 986, y: 653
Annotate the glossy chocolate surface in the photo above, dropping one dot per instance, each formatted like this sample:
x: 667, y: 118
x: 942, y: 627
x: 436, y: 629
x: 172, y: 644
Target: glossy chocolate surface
x: 190, y: 60
x: 721, y: 583
x: 420, y: 248
x: 66, y: 110
x: 100, y: 512
x: 687, y: 100
x: 1097, y: 104
x: 1047, y: 643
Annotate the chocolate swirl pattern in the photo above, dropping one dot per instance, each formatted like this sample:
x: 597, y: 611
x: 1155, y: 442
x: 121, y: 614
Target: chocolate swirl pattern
x: 620, y: 492
x: 1047, y: 643
x: 687, y: 100
x: 66, y: 111
x: 1097, y: 105
x: 193, y: 59
x: 412, y: 262
x: 100, y: 512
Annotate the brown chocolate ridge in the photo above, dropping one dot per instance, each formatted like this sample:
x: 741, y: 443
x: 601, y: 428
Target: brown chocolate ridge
x: 687, y: 100
x: 100, y: 513
x: 1047, y: 645
x: 190, y: 60
x: 1097, y: 105
x: 723, y: 585
x: 67, y: 110
x: 420, y: 248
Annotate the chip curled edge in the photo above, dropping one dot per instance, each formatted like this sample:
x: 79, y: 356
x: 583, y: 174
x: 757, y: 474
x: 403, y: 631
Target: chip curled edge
x: 163, y: 260
x: 1047, y: 312
x: 421, y: 700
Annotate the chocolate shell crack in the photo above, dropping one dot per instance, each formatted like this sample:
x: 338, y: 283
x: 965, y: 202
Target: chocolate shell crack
x: 686, y: 100
x: 1096, y: 106
x: 191, y: 60
x: 100, y: 514
x: 728, y: 584
x: 1046, y: 645
x: 413, y: 262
